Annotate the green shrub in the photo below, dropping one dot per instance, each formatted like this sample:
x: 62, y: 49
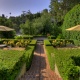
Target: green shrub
x: 68, y: 66
x: 10, y: 64
x: 71, y: 19
x: 47, y: 43
x: 61, y: 42
x: 16, y: 42
x: 24, y: 37
x: 77, y: 42
x: 51, y: 37
x: 33, y: 42
x: 29, y: 56
x: 51, y: 56
x: 12, y: 61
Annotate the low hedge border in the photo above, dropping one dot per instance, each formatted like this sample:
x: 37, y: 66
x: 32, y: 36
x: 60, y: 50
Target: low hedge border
x: 10, y: 63
x: 33, y: 42
x: 12, y: 71
x: 47, y: 42
x: 68, y: 63
x: 50, y: 54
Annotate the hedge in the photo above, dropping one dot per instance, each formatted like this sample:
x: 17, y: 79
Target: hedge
x: 15, y: 42
x: 10, y: 63
x: 68, y: 62
x: 72, y: 18
x: 29, y: 56
x: 47, y: 43
x: 33, y: 42
x: 50, y: 54
x: 24, y: 37
x: 61, y: 42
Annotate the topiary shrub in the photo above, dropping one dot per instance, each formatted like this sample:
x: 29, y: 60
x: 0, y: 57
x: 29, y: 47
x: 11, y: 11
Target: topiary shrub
x: 72, y: 18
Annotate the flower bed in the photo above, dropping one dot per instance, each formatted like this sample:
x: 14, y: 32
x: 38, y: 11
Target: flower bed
x: 61, y: 42
x: 16, y: 42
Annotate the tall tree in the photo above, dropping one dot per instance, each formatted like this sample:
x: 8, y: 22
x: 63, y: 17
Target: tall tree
x: 59, y: 8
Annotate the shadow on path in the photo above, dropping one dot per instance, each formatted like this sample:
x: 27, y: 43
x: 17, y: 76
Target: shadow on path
x: 40, y: 67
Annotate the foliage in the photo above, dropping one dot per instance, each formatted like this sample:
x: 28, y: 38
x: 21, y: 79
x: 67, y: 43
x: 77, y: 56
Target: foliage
x: 50, y: 55
x: 16, y: 42
x: 26, y: 27
x: 29, y: 56
x: 10, y: 64
x: 77, y: 43
x: 32, y: 43
x: 61, y: 42
x: 12, y: 61
x: 7, y: 34
x: 71, y: 19
x: 67, y: 61
x: 59, y: 8
x: 51, y: 37
x: 47, y: 43
x: 24, y: 37
x: 56, y: 30
x: 41, y: 25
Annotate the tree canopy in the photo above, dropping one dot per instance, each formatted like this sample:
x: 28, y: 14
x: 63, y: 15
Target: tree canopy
x: 59, y: 8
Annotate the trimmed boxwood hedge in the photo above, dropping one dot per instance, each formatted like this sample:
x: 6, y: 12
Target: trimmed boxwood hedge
x: 50, y: 54
x: 47, y: 42
x: 33, y: 42
x: 72, y: 18
x: 29, y: 56
x: 24, y: 37
x: 12, y: 61
x: 68, y: 62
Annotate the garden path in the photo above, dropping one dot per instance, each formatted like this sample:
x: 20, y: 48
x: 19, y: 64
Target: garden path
x: 40, y: 69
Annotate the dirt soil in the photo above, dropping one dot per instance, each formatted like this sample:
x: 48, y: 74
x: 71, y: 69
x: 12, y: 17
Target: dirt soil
x: 14, y: 48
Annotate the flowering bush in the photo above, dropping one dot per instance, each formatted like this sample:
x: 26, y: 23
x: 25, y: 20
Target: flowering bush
x: 61, y: 43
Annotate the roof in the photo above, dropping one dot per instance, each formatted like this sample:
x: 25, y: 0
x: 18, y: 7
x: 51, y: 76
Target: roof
x: 4, y: 28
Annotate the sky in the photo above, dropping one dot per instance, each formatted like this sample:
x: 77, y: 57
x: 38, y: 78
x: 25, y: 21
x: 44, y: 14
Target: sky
x: 17, y: 6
